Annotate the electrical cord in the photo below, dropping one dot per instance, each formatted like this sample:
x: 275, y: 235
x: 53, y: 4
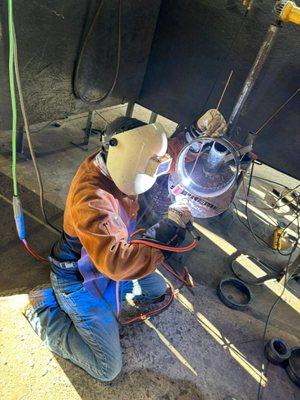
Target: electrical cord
x: 270, y: 181
x: 286, y: 280
x: 28, y: 135
x: 276, y: 274
x: 13, y: 66
x: 246, y: 226
x: 33, y: 253
x: 12, y: 95
x: 186, y: 279
x: 101, y: 116
x: 259, y: 281
x: 151, y: 313
x: 275, y: 207
x: 117, y: 69
x: 249, y: 226
x: 298, y: 233
x: 256, y: 237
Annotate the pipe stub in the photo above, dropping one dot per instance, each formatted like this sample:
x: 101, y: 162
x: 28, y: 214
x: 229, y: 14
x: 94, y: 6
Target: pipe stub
x: 277, y: 351
x: 234, y: 294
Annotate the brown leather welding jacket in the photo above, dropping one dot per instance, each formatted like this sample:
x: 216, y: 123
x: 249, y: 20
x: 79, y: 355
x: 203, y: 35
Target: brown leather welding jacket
x: 99, y: 214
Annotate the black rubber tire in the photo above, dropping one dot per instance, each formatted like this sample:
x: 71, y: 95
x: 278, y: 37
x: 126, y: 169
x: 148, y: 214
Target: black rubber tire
x: 277, y: 351
x: 240, y: 286
x: 293, y: 373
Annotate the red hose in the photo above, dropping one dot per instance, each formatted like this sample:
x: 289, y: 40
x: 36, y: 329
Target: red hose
x: 33, y: 253
x: 177, y: 276
x: 157, y: 310
x: 165, y: 247
x: 138, y: 231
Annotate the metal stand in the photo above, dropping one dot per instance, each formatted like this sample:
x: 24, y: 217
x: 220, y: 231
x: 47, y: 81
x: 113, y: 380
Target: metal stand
x: 88, y: 131
x: 129, y: 109
x: 20, y: 140
x: 153, y: 118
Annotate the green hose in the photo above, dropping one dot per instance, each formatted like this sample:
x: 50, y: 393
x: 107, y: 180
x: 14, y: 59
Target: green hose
x: 12, y: 95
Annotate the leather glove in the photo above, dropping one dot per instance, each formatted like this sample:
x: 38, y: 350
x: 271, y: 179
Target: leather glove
x: 166, y: 231
x: 212, y: 123
x: 180, y: 213
x: 171, y: 230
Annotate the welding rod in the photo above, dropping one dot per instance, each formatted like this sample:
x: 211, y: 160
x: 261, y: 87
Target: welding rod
x: 277, y: 111
x: 224, y: 90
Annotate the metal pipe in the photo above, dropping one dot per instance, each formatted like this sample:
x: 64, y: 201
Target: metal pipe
x: 254, y: 72
x: 215, y: 157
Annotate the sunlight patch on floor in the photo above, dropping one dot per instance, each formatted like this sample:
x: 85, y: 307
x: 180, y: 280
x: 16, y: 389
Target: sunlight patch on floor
x: 169, y: 345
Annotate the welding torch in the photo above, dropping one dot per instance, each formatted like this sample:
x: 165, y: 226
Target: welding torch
x: 195, y: 233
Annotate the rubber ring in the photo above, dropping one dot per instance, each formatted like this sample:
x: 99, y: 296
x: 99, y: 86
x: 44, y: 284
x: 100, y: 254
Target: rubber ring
x: 292, y: 371
x: 238, y: 285
x: 277, y: 351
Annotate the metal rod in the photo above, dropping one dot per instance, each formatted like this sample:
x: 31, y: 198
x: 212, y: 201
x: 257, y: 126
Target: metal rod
x: 224, y: 90
x: 254, y: 72
x: 277, y: 112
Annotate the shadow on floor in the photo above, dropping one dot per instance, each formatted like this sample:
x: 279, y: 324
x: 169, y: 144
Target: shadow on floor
x: 142, y: 384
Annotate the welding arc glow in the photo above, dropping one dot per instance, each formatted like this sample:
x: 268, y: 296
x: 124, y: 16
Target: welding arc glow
x: 186, y: 181
x: 199, y: 171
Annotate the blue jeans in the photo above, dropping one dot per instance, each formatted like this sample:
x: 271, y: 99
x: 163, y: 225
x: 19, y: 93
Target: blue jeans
x: 81, y: 327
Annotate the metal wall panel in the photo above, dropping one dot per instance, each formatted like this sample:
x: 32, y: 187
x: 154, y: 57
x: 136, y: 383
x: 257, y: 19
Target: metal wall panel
x: 49, y: 35
x: 197, y: 43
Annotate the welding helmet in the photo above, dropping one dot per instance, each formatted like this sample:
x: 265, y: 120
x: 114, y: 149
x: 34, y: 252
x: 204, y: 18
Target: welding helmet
x: 136, y: 157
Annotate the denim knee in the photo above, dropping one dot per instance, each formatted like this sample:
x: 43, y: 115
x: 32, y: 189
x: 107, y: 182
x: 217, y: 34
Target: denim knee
x: 110, y: 372
x: 154, y: 285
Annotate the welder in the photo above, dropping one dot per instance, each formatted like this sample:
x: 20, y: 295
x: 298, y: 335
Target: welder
x: 95, y: 271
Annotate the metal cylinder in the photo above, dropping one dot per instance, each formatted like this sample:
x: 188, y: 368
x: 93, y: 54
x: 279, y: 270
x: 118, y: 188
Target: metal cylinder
x: 215, y: 157
x: 254, y: 72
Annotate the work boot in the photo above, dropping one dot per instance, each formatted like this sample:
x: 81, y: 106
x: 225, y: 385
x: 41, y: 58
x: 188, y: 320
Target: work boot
x: 133, y: 309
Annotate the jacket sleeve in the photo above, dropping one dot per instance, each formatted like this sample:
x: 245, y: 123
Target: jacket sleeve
x: 104, y: 235
x: 175, y: 145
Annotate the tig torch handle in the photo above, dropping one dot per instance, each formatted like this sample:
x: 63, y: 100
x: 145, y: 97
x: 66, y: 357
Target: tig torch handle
x: 193, y: 231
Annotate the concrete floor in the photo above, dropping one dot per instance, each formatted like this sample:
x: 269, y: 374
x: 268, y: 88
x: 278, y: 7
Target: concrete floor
x: 198, y: 349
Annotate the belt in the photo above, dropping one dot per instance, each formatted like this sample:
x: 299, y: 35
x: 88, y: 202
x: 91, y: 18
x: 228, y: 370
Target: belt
x: 64, y: 264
